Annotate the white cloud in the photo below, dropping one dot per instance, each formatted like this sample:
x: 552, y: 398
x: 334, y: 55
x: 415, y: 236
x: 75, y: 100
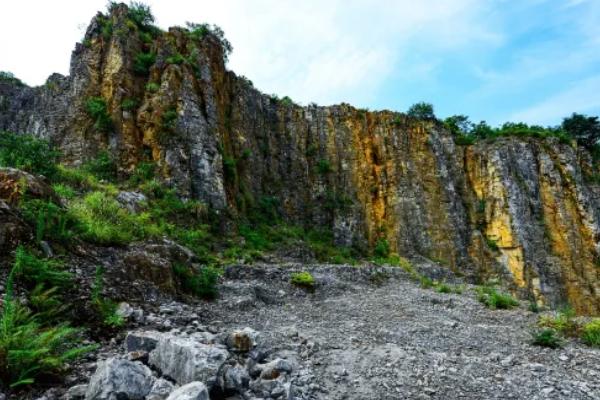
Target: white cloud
x: 312, y: 50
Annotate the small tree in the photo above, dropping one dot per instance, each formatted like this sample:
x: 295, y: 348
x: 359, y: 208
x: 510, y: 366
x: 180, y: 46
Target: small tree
x: 422, y: 111
x: 459, y: 125
x: 583, y: 128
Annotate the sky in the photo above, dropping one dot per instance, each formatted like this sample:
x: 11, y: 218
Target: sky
x: 535, y: 61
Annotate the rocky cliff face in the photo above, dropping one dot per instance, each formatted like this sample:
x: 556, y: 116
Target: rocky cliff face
x: 519, y: 208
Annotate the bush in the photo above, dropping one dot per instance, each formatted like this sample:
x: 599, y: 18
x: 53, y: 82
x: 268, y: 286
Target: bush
x: 97, y: 109
x: 10, y: 78
x: 152, y: 87
x: 143, y: 62
x: 382, y: 248
x: 141, y: 14
x: 494, y: 300
x: 583, y: 128
x: 590, y: 333
x: 29, y: 350
x: 106, y: 308
x: 51, y: 221
x: 201, y: 283
x: 547, y: 338
x: 176, y: 59
x: 35, y: 270
x: 324, y: 167
x: 102, y: 220
x: 563, y: 321
x: 201, y: 31
x: 101, y: 167
x: 303, y: 279
x: 27, y: 153
x: 129, y: 104
x: 421, y: 111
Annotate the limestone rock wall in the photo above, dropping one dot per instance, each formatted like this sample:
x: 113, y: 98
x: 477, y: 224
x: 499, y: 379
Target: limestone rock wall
x: 520, y: 208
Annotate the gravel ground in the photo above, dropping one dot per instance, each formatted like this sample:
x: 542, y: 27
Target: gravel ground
x: 399, y: 341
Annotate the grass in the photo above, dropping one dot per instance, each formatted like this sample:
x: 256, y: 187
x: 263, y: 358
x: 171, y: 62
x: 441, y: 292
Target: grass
x: 324, y: 167
x: 492, y: 299
x: 97, y: 109
x: 547, y: 337
x: 590, y: 333
x: 106, y: 308
x: 303, y: 279
x: 563, y: 321
x: 27, y: 153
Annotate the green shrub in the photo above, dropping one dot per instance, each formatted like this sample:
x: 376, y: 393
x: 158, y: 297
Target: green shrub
x: 64, y: 191
x: 106, y: 308
x: 29, y: 350
x: 562, y: 321
x: 176, y: 59
x: 102, y: 167
x: 202, y: 31
x: 303, y: 279
x: 230, y: 168
x: 421, y: 111
x: 129, y: 104
x: 27, y: 153
x: 35, y: 270
x: 426, y: 282
x: 140, y: 14
x: 286, y: 101
x: 495, y: 300
x: 492, y: 244
x: 51, y: 221
x: 547, y: 338
x: 97, y: 109
x: 201, y: 283
x: 382, y: 248
x: 152, y: 87
x: 102, y: 220
x: 10, y: 78
x: 443, y: 288
x: 590, y: 333
x: 144, y: 172
x: 168, y: 119
x: 143, y: 62
x: 324, y: 167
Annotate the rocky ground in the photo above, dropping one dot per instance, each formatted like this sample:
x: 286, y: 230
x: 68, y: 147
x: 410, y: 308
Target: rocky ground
x: 349, y: 339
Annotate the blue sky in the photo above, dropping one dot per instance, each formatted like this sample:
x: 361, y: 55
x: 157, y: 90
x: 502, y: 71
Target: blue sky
x: 496, y: 60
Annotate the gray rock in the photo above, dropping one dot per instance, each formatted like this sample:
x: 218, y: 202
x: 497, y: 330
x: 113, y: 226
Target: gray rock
x: 141, y: 340
x: 75, y: 392
x: 132, y: 201
x: 160, y: 390
x: 235, y: 379
x: 186, y: 360
x: 117, y: 379
x: 191, y: 391
x: 275, y: 368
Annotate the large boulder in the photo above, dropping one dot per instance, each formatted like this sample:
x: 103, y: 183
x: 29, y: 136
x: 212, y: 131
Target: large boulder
x: 117, y: 379
x: 15, y: 183
x: 186, y: 360
x: 191, y: 391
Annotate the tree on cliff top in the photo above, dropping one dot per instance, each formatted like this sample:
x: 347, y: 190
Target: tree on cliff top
x: 583, y: 128
x: 422, y: 110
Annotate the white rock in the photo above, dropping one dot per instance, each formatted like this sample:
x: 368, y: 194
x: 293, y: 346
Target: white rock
x: 191, y: 391
x: 186, y: 360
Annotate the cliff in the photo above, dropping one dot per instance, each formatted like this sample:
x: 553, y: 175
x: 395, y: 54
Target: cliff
x: 520, y: 208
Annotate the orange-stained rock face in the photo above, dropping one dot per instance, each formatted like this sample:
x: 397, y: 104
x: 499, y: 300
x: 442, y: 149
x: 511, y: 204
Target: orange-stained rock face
x: 517, y: 208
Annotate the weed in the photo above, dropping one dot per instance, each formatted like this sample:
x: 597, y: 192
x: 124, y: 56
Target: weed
x: 303, y: 279
x: 547, y: 337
